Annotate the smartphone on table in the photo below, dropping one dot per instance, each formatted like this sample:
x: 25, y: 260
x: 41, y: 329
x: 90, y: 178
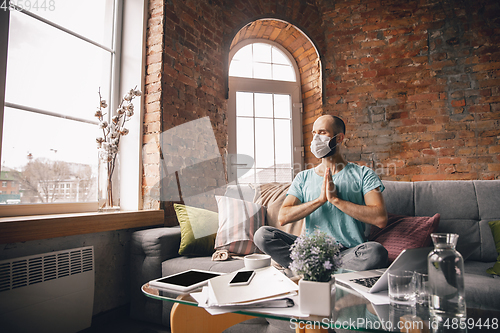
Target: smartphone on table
x: 242, y: 278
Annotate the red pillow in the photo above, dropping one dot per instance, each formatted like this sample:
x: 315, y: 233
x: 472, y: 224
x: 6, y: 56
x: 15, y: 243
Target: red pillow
x: 404, y: 232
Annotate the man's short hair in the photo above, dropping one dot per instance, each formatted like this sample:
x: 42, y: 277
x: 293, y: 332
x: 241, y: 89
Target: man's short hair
x: 338, y: 125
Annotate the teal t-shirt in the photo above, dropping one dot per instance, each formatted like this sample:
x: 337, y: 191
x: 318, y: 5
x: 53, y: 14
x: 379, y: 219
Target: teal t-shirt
x: 352, y: 183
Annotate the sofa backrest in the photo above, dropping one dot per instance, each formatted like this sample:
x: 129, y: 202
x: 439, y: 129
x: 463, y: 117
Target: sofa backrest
x: 466, y: 207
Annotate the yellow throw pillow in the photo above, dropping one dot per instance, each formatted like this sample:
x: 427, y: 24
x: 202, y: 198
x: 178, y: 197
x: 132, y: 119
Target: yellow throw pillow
x: 495, y: 230
x: 198, y: 230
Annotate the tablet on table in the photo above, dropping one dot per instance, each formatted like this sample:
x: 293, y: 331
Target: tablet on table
x: 184, y: 281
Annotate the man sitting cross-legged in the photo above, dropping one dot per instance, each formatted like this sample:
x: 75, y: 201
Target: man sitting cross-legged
x: 337, y: 197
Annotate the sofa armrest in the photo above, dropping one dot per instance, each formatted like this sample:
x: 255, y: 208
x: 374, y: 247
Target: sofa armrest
x: 148, y: 249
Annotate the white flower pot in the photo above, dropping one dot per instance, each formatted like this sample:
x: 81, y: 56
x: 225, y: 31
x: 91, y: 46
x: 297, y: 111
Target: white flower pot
x: 317, y: 298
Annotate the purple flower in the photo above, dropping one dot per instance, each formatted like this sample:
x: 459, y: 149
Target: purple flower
x: 315, y: 256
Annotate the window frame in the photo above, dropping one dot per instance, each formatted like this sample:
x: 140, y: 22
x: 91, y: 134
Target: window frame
x: 128, y: 70
x: 253, y: 85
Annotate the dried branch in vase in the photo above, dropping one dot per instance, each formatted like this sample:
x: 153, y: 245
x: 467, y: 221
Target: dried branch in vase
x: 108, y: 143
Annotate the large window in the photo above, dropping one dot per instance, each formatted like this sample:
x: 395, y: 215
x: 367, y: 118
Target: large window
x: 60, y: 54
x: 265, y: 128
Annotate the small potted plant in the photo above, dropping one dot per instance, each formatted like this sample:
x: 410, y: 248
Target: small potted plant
x: 316, y: 257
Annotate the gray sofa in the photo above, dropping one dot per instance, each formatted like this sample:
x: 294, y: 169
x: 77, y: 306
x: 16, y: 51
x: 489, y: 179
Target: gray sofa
x: 466, y: 207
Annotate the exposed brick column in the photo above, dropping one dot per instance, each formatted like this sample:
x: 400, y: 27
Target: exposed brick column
x: 153, y: 106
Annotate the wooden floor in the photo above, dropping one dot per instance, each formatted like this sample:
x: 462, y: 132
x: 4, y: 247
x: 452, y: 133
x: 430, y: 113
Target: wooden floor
x: 127, y: 326
x: 118, y: 321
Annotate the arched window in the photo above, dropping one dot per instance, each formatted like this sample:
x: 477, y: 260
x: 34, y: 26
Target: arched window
x: 264, y: 113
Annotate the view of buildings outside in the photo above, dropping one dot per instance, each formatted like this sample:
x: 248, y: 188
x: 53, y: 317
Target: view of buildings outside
x: 46, y: 181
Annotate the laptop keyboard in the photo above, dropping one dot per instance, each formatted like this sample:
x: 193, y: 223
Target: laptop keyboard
x: 367, y: 282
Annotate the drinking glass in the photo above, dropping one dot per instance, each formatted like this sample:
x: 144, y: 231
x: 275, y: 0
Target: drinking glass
x: 421, y: 288
x: 401, y: 287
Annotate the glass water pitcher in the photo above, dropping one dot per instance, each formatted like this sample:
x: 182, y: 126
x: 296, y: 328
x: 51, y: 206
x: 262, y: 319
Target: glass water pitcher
x: 446, y: 277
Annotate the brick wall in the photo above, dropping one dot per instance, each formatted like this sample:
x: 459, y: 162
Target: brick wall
x: 417, y: 82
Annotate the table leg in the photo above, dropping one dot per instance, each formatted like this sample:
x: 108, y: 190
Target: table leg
x: 187, y: 319
x: 310, y: 330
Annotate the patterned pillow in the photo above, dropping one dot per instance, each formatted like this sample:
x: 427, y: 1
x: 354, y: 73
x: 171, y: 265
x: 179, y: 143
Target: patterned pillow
x: 405, y: 232
x: 238, y: 221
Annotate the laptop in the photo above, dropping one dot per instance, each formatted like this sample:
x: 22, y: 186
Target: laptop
x: 375, y: 280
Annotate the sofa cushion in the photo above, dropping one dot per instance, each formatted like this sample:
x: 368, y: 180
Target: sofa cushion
x: 466, y: 207
x: 180, y: 264
x: 468, y: 235
x: 481, y: 289
x: 404, y: 232
x: 198, y: 230
x: 272, y: 196
x: 238, y: 221
x: 398, y: 197
x: 488, y: 197
x: 451, y: 199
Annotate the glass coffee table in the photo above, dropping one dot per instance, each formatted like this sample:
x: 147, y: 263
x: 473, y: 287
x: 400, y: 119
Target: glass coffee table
x: 352, y: 312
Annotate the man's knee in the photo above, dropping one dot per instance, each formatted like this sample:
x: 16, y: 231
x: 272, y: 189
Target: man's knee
x: 369, y: 255
x: 378, y: 254
x: 262, y: 236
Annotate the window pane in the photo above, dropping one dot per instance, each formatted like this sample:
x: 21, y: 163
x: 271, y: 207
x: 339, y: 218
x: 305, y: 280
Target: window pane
x: 244, y: 138
x: 283, y: 73
x: 271, y: 114
x: 244, y: 104
x: 244, y: 54
x: 282, y: 106
x: 246, y: 176
x: 48, y: 150
x: 90, y: 18
x: 44, y: 75
x: 279, y: 57
x: 264, y: 143
x: 262, y: 71
x: 283, y: 142
x: 283, y: 175
x: 265, y: 175
x: 266, y: 62
x: 240, y: 68
x: 264, y: 105
x: 262, y: 52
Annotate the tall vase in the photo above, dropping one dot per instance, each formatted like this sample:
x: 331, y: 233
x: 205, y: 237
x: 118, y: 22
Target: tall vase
x: 108, y: 189
x: 446, y: 277
x: 316, y: 298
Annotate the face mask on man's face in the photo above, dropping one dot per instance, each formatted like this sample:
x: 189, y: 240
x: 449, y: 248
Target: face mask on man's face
x: 320, y: 146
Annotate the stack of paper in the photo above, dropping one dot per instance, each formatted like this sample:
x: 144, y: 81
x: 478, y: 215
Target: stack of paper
x: 270, y: 291
x: 267, y: 284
